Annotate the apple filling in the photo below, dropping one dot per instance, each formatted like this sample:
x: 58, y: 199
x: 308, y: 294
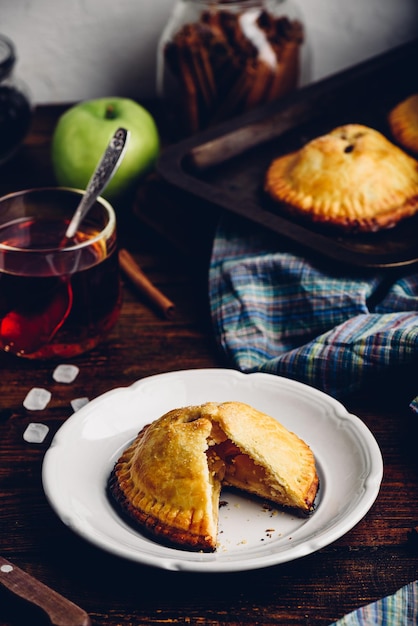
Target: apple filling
x: 230, y: 466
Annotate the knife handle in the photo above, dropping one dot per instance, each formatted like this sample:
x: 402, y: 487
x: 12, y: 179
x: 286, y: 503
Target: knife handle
x: 60, y: 611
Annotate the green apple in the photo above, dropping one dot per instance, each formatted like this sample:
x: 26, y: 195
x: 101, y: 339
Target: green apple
x: 83, y: 132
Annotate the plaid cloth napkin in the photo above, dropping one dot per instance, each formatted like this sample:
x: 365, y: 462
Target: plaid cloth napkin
x: 399, y: 609
x: 278, y: 312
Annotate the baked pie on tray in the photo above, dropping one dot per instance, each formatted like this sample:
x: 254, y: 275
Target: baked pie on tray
x: 169, y: 479
x: 403, y: 122
x: 352, y: 178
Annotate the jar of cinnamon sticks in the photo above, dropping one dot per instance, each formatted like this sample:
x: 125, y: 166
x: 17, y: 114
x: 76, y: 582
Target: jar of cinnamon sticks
x: 219, y: 58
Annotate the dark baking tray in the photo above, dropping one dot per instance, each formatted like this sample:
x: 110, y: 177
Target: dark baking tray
x: 224, y: 166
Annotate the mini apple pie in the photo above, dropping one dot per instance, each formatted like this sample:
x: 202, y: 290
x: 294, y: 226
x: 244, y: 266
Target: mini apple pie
x: 403, y: 122
x: 170, y: 478
x: 352, y: 178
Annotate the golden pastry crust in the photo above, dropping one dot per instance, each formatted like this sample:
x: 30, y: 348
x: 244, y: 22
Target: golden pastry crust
x: 162, y: 480
x: 403, y: 122
x: 352, y: 178
x: 170, y: 478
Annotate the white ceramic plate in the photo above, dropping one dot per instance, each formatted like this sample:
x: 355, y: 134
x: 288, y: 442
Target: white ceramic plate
x: 85, y: 448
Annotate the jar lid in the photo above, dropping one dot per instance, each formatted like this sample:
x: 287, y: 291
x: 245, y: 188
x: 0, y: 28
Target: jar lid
x: 7, y: 56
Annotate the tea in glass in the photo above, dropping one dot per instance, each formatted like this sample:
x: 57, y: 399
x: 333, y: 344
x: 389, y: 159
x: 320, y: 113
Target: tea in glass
x: 58, y: 298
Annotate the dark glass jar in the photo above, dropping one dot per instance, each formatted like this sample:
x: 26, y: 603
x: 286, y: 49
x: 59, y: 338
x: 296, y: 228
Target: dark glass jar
x: 219, y: 58
x: 15, y: 103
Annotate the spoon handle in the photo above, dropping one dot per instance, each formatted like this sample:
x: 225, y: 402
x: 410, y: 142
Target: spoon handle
x: 60, y: 611
x: 101, y: 176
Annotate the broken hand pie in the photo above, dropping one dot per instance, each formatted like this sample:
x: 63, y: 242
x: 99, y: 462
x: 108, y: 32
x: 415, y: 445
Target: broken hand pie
x: 352, y: 178
x: 169, y: 479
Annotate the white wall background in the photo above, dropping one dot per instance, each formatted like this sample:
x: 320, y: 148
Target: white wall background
x: 77, y: 49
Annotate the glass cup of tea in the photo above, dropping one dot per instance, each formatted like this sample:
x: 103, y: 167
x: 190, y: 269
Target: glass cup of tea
x: 58, y: 298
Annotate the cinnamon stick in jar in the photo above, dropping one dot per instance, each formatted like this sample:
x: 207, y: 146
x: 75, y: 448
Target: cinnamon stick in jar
x: 227, y: 60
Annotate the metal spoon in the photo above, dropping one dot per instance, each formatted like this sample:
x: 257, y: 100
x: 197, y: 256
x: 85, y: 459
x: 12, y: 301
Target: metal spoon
x: 100, y: 178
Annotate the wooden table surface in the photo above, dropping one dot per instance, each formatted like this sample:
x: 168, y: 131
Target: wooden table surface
x: 374, y: 559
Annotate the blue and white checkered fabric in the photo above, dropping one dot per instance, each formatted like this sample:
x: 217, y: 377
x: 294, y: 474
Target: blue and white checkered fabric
x: 277, y: 312
x: 399, y: 609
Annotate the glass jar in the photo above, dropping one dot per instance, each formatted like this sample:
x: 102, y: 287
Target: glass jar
x: 15, y: 103
x: 219, y: 58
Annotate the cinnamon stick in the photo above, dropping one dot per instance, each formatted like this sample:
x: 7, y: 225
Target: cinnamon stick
x: 220, y: 67
x: 145, y: 287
